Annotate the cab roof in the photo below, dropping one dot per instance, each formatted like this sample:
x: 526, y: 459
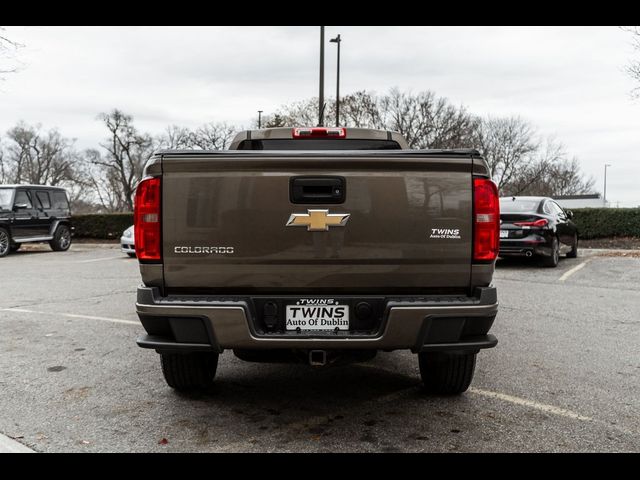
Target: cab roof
x: 288, y: 133
x: 32, y: 186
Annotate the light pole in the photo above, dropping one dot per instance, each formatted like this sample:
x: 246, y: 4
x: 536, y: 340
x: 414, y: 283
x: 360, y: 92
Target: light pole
x: 337, y: 40
x: 605, y: 183
x: 321, y: 94
x: 260, y: 119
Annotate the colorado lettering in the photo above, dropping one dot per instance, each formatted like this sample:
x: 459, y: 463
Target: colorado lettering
x: 203, y: 250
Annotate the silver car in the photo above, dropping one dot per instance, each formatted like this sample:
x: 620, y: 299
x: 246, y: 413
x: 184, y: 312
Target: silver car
x: 127, y: 243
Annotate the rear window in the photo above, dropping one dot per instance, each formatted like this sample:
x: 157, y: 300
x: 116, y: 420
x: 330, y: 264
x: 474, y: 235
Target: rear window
x: 508, y: 205
x: 60, y: 200
x: 318, y: 144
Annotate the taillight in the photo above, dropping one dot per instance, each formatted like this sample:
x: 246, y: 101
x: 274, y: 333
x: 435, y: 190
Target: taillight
x: 316, y: 132
x: 146, y: 217
x: 486, y: 221
x: 543, y: 222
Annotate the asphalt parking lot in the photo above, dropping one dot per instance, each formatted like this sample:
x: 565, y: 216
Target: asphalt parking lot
x: 564, y: 377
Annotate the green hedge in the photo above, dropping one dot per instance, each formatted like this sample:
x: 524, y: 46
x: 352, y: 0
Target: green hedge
x: 607, y: 222
x: 103, y: 226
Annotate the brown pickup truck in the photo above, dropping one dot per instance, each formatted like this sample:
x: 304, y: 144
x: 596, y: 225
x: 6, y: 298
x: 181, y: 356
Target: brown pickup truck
x: 319, y: 245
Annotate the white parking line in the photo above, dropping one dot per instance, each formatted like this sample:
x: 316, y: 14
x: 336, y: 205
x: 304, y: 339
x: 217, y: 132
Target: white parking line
x: 99, y: 259
x: 9, y: 445
x: 568, y: 273
x: 71, y: 315
x: 523, y: 402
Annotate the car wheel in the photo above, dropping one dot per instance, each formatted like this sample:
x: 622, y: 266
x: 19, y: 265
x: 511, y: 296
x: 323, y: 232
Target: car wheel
x: 573, y: 253
x: 5, y: 242
x: 552, y: 260
x: 15, y: 247
x: 132, y: 255
x: 446, y: 373
x: 189, y: 371
x: 61, y: 239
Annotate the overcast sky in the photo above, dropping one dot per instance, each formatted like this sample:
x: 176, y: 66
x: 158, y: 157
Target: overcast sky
x: 568, y: 81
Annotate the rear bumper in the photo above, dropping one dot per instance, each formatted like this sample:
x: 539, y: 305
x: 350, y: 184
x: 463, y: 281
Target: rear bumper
x: 196, y: 323
x: 531, y: 245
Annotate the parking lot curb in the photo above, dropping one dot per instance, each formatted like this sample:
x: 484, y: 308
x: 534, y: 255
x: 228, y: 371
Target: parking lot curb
x: 9, y: 445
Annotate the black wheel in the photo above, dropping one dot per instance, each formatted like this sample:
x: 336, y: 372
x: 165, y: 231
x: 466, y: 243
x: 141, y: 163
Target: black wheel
x: 132, y: 255
x: 5, y: 242
x: 552, y: 260
x: 573, y: 253
x: 446, y: 373
x: 61, y: 239
x: 15, y: 247
x: 189, y: 371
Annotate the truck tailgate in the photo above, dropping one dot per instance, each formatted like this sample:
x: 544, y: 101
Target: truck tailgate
x: 410, y: 223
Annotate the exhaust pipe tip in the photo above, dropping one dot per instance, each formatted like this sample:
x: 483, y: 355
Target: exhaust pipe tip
x: 317, y: 358
x: 529, y: 253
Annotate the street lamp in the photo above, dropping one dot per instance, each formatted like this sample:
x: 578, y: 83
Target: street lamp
x: 321, y: 93
x: 337, y: 40
x: 605, y: 183
x: 260, y: 119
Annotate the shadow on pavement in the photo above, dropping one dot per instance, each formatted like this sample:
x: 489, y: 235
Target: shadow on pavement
x: 519, y: 262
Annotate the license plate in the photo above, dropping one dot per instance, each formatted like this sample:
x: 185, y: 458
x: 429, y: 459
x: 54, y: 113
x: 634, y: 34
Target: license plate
x: 504, y: 233
x: 308, y: 315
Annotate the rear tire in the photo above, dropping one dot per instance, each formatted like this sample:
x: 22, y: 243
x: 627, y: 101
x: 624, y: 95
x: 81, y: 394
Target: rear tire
x: 552, y: 260
x: 132, y: 255
x: 61, y: 239
x: 190, y: 371
x: 446, y: 373
x: 573, y: 253
x: 5, y: 242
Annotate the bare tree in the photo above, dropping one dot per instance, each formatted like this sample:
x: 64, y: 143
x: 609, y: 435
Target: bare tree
x: 361, y: 110
x: 210, y: 136
x: 80, y: 190
x: 566, y: 179
x: 4, y: 176
x: 508, y: 145
x: 126, y: 153
x: 560, y: 177
x: 101, y: 186
x: 38, y: 158
x: 174, y: 137
x: 303, y: 113
x: 426, y: 121
x: 633, y: 69
x: 403, y: 112
x: 272, y: 121
x: 8, y: 52
x: 548, y: 171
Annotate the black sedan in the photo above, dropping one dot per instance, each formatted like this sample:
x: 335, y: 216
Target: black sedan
x: 537, y: 226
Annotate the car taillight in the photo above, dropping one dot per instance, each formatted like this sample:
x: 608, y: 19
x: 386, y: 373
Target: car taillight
x: 146, y: 222
x: 486, y: 221
x: 316, y: 132
x: 543, y: 222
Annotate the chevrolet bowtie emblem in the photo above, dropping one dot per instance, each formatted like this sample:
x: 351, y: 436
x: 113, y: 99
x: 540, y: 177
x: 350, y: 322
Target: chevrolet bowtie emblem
x: 318, y: 220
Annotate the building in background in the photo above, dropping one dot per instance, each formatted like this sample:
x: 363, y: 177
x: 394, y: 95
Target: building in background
x: 592, y: 200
